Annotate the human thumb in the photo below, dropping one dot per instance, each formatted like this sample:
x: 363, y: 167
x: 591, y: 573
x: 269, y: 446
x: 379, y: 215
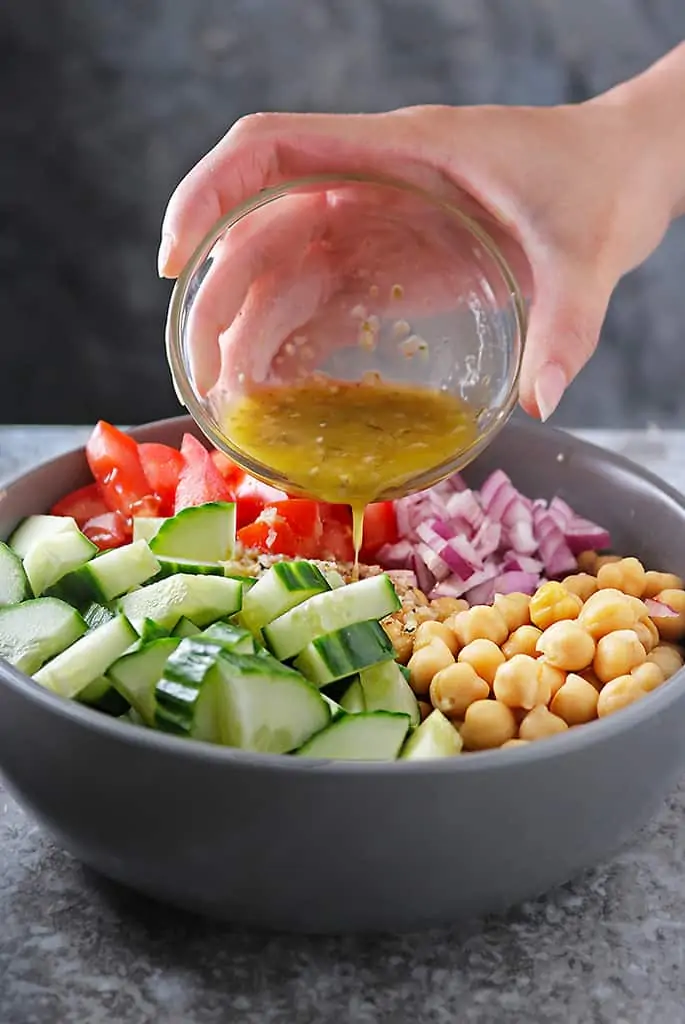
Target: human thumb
x: 566, y: 318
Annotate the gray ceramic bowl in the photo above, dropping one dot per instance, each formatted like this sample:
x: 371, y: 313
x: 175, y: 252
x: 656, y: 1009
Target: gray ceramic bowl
x: 334, y: 847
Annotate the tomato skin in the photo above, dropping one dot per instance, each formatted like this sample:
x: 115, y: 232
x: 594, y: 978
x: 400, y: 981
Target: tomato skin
x: 273, y: 537
x: 162, y: 466
x: 230, y: 471
x: 82, y: 504
x: 380, y: 527
x: 199, y: 480
x: 252, y: 497
x: 109, y: 530
x: 115, y: 463
x: 336, y: 542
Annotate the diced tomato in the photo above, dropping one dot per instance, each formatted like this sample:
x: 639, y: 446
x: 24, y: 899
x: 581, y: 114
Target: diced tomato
x: 199, y: 481
x: 380, y: 527
x: 273, y: 538
x: 230, y: 471
x: 162, y: 466
x: 82, y: 504
x: 109, y: 530
x: 251, y: 497
x: 336, y: 542
x: 115, y: 463
x: 303, y: 516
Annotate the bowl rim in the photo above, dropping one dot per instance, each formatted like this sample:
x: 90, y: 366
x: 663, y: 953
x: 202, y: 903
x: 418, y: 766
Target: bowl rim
x: 570, y: 742
x: 183, y: 385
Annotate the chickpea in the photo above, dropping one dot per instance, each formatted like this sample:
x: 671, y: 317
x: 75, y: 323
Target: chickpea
x: 429, y: 631
x: 587, y: 562
x: 446, y: 606
x: 647, y: 634
x: 605, y: 560
x: 582, y: 585
x: 606, y: 611
x: 589, y: 676
x: 540, y: 723
x: 567, y: 645
x: 671, y: 627
x: 487, y: 724
x: 550, y: 677
x: 668, y: 657
x: 648, y: 675
x: 575, y: 701
x: 484, y: 656
x: 480, y: 623
x: 402, y: 641
x: 424, y: 709
x: 617, y: 654
x: 617, y: 694
x: 426, y: 663
x: 627, y: 575
x: 454, y: 688
x: 515, y: 743
x: 522, y: 641
x: 517, y: 683
x: 655, y: 582
x: 552, y: 602
x: 514, y: 609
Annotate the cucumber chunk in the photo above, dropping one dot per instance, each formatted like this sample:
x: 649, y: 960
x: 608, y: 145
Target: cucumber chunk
x: 39, y: 528
x: 171, y: 566
x: 335, y: 709
x: 344, y: 652
x: 333, y: 578
x: 97, y: 614
x: 285, y: 585
x: 203, y: 599
x: 74, y: 669
x: 435, y: 737
x: 186, y: 698
x: 49, y: 560
x: 352, y: 700
x: 108, y: 576
x: 136, y: 673
x: 36, y: 630
x: 368, y: 736
x: 385, y: 689
x: 230, y: 637
x: 14, y: 585
x: 185, y: 627
x: 101, y: 695
x: 372, y: 598
x: 202, y: 533
x: 146, y: 527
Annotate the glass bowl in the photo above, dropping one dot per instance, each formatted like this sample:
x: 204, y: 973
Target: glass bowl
x: 348, y: 280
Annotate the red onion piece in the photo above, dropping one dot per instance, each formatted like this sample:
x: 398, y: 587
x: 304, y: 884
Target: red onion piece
x: 659, y: 610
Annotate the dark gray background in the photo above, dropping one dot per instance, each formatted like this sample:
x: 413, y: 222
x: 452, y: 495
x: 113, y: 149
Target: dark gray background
x: 104, y: 105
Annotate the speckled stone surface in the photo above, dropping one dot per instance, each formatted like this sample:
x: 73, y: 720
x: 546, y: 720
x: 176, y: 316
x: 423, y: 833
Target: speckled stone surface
x: 606, y: 949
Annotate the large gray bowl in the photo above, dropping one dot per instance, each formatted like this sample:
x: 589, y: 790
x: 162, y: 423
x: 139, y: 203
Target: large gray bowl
x: 332, y: 847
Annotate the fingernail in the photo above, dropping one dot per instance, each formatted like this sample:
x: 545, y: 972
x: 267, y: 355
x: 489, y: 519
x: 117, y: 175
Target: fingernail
x: 165, y: 247
x: 549, y: 387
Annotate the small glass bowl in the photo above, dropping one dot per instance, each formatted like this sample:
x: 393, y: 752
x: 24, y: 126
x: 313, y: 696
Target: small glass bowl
x: 350, y: 276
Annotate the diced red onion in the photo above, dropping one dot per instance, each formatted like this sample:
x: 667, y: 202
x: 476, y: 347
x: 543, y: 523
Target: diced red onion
x: 424, y: 577
x: 436, y: 565
x: 516, y: 583
x: 396, y: 556
x: 659, y: 610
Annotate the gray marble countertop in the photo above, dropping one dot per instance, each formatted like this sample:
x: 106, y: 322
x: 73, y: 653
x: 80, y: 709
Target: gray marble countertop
x: 607, y: 949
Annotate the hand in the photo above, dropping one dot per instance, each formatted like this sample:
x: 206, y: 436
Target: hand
x: 580, y: 188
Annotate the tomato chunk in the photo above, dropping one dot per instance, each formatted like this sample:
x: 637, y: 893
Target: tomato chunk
x: 162, y: 466
x: 109, y: 530
x: 336, y: 542
x: 82, y: 504
x: 199, y: 481
x: 273, y: 538
x: 230, y: 471
x: 115, y: 463
x: 251, y: 497
x: 380, y: 527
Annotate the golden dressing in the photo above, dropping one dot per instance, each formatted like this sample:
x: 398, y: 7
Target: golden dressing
x: 349, y: 443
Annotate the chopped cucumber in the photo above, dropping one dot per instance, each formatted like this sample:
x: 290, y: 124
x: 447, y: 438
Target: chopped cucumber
x: 248, y: 582
x: 97, y: 614
x: 372, y: 598
x: 385, y: 689
x: 368, y: 736
x: 50, y: 559
x: 136, y: 673
x: 184, y: 627
x: 352, y: 700
x: 435, y: 737
x: 285, y: 585
x: 151, y: 630
x: 230, y: 637
x: 146, y: 527
x: 344, y: 652
x: 333, y: 578
x: 39, y: 528
x: 101, y: 695
x: 335, y: 709
x: 36, y: 630
x: 203, y: 599
x: 187, y: 696
x: 74, y: 669
x: 14, y: 586
x: 109, y: 575
x: 203, y: 533
x: 265, y: 706
x: 171, y: 566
